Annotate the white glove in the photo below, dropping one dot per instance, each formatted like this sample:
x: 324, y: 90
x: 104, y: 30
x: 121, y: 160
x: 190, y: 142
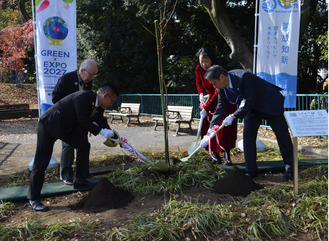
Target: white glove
x: 107, y: 133
x: 243, y: 102
x: 204, y: 141
x: 201, y: 98
x: 203, y: 113
x: 229, y: 120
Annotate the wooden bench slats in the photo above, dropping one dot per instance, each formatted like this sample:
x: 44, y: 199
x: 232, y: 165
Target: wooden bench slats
x: 178, y: 115
x: 127, y: 110
x: 17, y: 111
x: 14, y: 107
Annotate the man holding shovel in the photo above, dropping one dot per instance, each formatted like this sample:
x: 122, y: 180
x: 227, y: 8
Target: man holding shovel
x: 262, y: 100
x: 81, y: 79
x: 70, y: 120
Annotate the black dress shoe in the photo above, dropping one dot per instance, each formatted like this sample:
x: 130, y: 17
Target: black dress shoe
x: 218, y: 157
x: 251, y: 175
x: 78, y: 184
x: 227, y: 162
x: 213, y: 162
x: 37, y: 206
x: 68, y: 182
x: 288, y: 176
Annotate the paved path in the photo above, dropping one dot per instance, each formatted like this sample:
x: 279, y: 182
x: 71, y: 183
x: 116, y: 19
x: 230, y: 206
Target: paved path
x: 18, y: 149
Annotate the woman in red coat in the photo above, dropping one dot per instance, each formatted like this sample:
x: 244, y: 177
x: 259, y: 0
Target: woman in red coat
x: 226, y: 138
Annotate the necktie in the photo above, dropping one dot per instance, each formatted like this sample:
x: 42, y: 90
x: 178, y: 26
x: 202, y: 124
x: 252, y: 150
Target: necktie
x: 81, y: 85
x: 232, y: 91
x: 231, y: 95
x: 95, y: 111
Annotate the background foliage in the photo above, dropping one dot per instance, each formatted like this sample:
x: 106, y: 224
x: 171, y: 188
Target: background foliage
x: 120, y: 36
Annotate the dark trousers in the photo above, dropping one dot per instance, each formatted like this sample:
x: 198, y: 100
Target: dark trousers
x: 45, y: 143
x: 279, y: 125
x: 67, y: 158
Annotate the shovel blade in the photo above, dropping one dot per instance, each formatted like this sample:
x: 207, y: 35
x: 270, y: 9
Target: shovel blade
x: 193, y: 146
x: 185, y: 159
x: 159, y: 166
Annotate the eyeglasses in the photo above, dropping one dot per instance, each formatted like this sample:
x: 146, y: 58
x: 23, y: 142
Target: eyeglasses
x: 92, y: 75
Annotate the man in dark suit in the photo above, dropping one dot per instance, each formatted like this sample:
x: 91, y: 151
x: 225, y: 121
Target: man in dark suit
x: 69, y: 83
x: 261, y: 100
x: 70, y: 120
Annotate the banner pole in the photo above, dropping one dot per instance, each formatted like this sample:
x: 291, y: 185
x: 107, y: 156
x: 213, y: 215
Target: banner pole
x: 255, y: 38
x: 35, y: 55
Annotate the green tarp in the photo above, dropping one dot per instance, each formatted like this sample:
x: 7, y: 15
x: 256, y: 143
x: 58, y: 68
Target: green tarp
x: 48, y: 189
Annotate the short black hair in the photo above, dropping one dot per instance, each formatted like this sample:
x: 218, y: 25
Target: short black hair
x: 107, y: 87
x: 214, y: 72
x: 207, y: 52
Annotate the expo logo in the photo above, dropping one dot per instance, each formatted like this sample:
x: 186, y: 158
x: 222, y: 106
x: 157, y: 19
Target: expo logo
x: 54, y: 68
x: 270, y: 5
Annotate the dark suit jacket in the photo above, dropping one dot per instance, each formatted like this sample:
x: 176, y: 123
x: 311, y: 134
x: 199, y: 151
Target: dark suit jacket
x: 75, y: 110
x: 259, y: 95
x: 68, y: 84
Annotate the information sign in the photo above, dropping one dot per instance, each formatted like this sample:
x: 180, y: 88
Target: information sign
x: 307, y: 123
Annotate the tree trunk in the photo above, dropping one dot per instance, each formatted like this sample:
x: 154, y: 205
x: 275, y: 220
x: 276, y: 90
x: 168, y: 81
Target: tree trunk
x: 307, y: 11
x: 161, y: 84
x: 23, y: 14
x: 218, y: 14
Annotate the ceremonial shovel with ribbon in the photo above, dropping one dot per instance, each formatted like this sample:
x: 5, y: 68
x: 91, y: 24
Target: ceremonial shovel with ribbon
x: 196, y: 143
x: 214, y: 133
x: 159, y: 166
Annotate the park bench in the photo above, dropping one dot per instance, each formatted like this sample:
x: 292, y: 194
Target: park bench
x: 17, y: 111
x: 178, y: 115
x: 127, y: 110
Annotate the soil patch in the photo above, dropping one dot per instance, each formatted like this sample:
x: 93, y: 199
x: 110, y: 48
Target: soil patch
x: 104, y: 196
x: 236, y: 183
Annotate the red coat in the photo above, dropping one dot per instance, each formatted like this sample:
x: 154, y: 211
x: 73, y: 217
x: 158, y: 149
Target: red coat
x: 203, y: 85
x: 228, y: 135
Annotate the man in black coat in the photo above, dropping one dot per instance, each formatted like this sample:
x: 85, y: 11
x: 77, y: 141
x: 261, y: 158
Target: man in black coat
x: 261, y: 100
x: 70, y: 120
x: 69, y: 83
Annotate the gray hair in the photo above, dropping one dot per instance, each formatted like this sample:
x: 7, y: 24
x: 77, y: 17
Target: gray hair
x: 86, y: 64
x: 214, y: 72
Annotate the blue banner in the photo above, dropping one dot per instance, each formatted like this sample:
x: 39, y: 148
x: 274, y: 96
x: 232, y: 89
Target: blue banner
x: 277, y: 52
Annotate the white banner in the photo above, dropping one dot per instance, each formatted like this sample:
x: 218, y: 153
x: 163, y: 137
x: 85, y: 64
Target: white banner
x: 277, y: 52
x: 55, y: 45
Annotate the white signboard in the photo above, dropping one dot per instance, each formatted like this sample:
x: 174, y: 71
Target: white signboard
x: 307, y: 123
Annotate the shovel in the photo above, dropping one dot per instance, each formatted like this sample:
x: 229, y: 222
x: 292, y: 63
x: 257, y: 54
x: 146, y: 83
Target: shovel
x: 185, y: 159
x: 196, y: 143
x: 158, y: 166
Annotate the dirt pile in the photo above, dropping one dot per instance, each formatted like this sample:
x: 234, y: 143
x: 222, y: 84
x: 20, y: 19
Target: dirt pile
x: 105, y: 196
x: 236, y: 183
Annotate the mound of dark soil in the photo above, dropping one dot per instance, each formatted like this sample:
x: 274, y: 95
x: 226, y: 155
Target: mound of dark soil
x: 105, y: 196
x: 236, y: 183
